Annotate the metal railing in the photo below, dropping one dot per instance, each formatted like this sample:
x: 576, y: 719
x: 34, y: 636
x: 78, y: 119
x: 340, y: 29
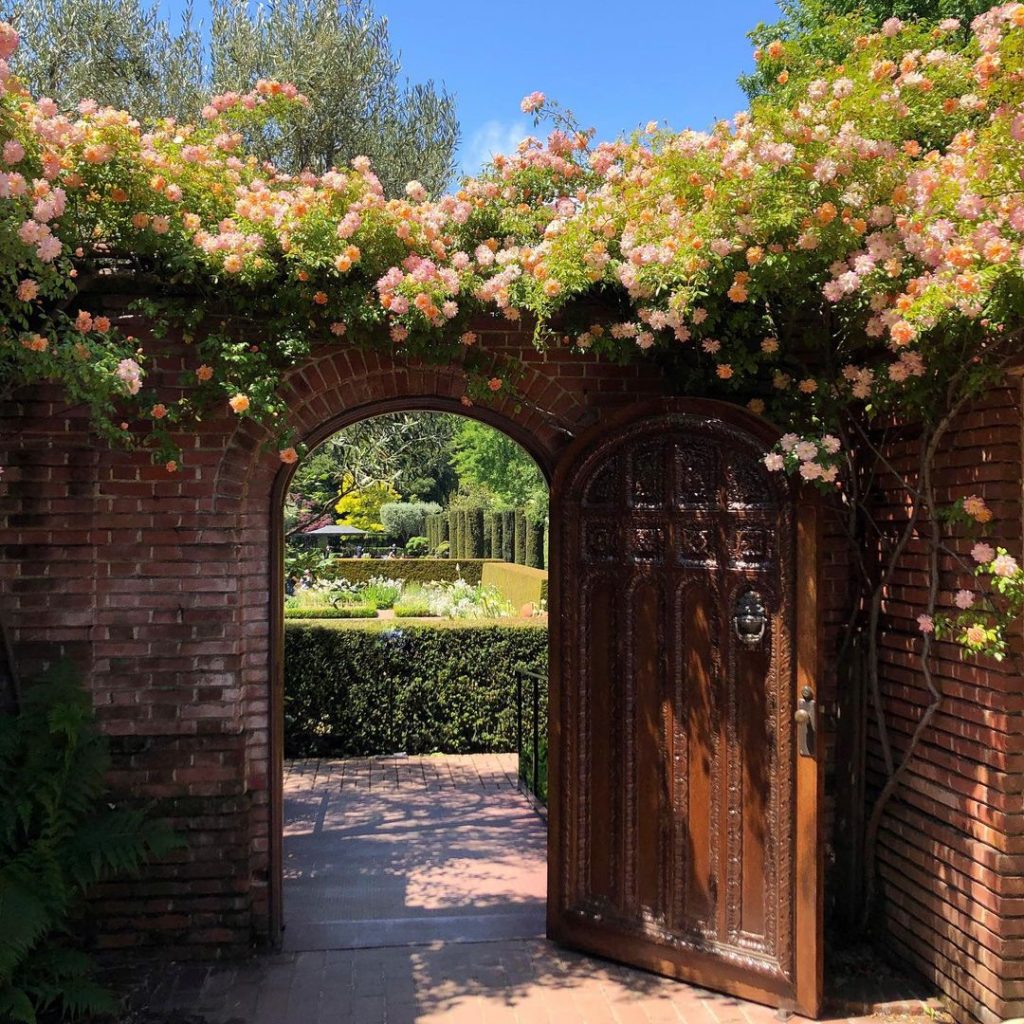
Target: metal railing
x: 536, y: 681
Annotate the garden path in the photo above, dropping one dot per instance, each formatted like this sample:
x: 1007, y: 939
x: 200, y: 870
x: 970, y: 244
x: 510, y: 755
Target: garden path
x: 402, y: 850
x: 414, y: 894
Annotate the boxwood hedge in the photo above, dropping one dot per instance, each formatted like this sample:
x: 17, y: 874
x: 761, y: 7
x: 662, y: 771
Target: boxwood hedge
x: 415, y: 689
x: 342, y: 611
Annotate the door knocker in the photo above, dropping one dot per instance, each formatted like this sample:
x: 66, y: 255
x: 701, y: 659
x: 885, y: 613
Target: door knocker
x: 750, y: 618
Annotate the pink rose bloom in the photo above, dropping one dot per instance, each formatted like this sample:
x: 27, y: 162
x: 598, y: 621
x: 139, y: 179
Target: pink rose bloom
x: 14, y: 151
x: 415, y: 191
x: 810, y: 470
x: 833, y: 291
x: 1004, y: 565
x: 8, y: 40
x: 774, y: 462
x: 532, y: 103
x: 48, y: 249
x: 983, y: 553
x: 926, y: 624
x: 975, y: 635
x: 130, y: 373
x: 892, y: 27
x: 27, y: 290
x: 964, y: 599
x: 30, y: 232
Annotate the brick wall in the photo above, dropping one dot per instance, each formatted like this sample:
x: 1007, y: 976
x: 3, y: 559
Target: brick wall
x: 951, y: 848
x: 159, y: 586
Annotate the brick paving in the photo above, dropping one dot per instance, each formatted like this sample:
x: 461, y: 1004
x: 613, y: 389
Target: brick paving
x: 405, y: 850
x: 414, y: 894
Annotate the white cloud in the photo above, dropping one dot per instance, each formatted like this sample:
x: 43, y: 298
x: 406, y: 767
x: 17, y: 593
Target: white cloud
x: 491, y: 138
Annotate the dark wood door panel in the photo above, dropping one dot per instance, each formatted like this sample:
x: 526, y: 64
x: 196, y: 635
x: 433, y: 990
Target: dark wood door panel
x: 675, y: 808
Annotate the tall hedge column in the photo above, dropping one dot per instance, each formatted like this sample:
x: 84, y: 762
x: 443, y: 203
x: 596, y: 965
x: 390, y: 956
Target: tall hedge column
x: 453, y: 533
x: 495, y: 524
x: 508, y: 536
x: 520, y: 535
x: 475, y: 533
x: 535, y: 543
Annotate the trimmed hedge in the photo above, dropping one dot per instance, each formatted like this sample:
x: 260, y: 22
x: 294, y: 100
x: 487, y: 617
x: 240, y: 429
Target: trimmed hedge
x: 535, y: 544
x: 352, y: 692
x: 475, y: 533
x: 518, y: 584
x: 508, y: 536
x: 521, y: 524
x: 345, y: 611
x: 412, y: 570
x: 457, y: 535
x: 493, y: 527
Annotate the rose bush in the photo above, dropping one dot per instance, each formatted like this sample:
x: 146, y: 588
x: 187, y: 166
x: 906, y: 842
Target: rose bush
x: 849, y: 249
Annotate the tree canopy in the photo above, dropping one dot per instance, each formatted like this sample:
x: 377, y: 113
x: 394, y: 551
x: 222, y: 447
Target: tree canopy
x: 405, y: 452
x: 490, y: 464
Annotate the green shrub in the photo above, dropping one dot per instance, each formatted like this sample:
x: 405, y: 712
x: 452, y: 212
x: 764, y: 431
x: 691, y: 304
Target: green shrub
x: 518, y: 584
x: 415, y: 609
x: 59, y: 836
x: 342, y: 611
x: 405, y: 519
x: 442, y: 550
x: 417, y: 547
x: 381, y: 591
x: 412, y: 570
x: 415, y: 688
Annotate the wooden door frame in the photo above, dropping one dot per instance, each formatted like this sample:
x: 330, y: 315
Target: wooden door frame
x: 808, y: 782
x: 275, y: 616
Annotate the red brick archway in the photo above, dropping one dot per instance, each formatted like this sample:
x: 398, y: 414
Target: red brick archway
x: 533, y: 441
x: 162, y: 588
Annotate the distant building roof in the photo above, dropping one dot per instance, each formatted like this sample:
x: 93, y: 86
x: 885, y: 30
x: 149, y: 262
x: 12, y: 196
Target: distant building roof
x: 335, y: 531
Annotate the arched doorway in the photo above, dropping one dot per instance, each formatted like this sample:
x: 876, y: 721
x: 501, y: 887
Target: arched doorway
x: 526, y: 439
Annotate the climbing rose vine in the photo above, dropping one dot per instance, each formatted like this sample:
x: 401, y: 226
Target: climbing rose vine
x: 837, y: 254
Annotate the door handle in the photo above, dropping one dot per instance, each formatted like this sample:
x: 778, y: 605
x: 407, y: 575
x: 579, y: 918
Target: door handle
x: 806, y: 718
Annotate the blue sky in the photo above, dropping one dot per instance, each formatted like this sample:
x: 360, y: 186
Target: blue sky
x: 615, y: 64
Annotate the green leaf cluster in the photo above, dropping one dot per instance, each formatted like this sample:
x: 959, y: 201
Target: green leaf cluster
x: 59, y: 835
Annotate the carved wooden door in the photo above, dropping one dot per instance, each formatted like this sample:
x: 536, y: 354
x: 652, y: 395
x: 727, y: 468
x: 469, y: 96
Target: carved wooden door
x: 684, y: 796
